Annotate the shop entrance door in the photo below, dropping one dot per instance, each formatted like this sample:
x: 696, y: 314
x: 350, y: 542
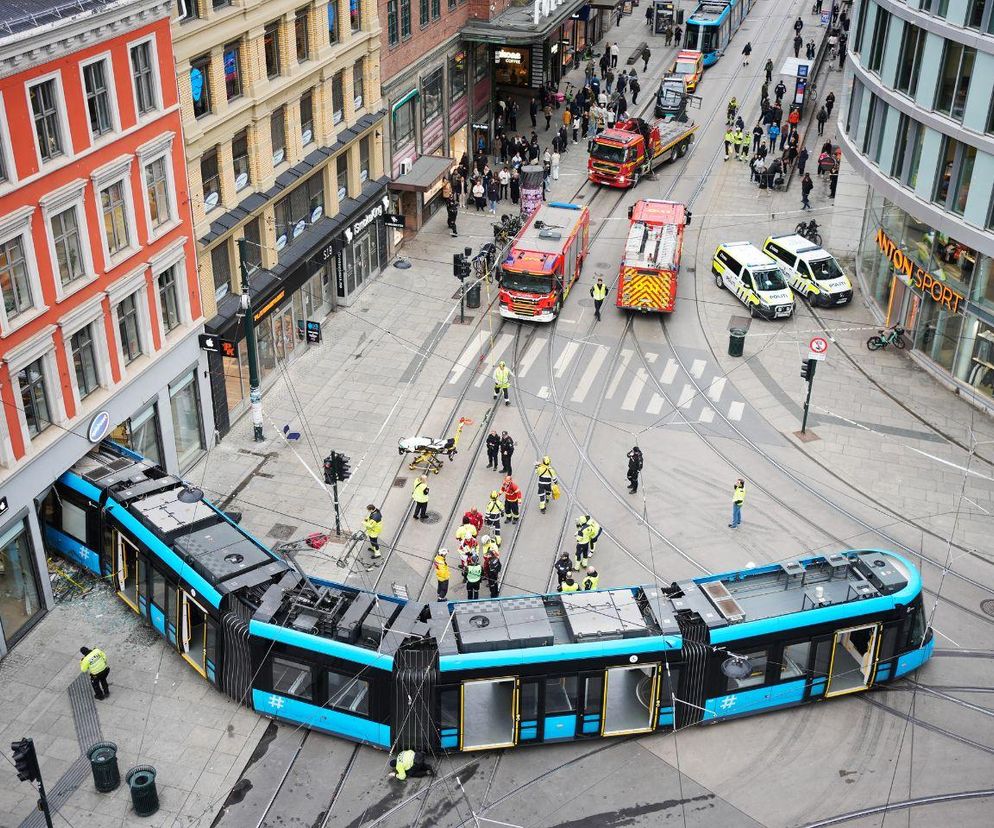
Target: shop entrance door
x: 362, y: 258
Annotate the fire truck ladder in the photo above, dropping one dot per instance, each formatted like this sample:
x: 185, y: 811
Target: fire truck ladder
x: 656, y: 246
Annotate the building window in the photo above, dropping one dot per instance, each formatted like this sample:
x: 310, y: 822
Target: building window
x: 364, y: 159
x: 157, y: 192
x: 211, y: 178
x: 436, y: 9
x: 115, y: 215
x: 975, y: 16
x: 84, y: 360
x: 405, y: 19
x: 424, y: 13
x: 342, y: 175
x: 393, y: 31
x: 859, y: 27
x: 187, y: 10
x: 240, y: 160
x: 168, y: 299
x: 314, y: 190
x: 14, y: 278
x: 457, y: 75
x: 221, y: 268
x: 355, y: 15
x: 220, y: 4
x: 403, y: 123
x: 307, y: 118
x: 954, y: 80
x: 285, y: 221
x: 301, y: 34
x: 129, y: 327
x: 338, y: 96
x: 68, y: 246
x: 968, y: 157
x: 879, y: 39
x: 143, y: 73
x: 271, y: 47
x: 18, y: 583
x: 277, y: 134
x: 358, y: 82
x: 989, y: 129
x: 200, y: 85
x: 333, y: 22
x: 97, y: 98
x: 909, y: 59
x: 431, y: 94
x: 45, y: 111
x: 903, y: 134
x: 452, y: 5
x: 253, y: 245
x: 185, y: 403
x: 481, y: 61
x: 3, y: 159
x: 34, y: 397
x: 232, y: 71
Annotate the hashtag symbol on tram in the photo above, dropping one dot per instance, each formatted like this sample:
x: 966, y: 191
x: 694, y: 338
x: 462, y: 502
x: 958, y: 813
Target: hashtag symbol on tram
x: 727, y: 702
x: 275, y: 701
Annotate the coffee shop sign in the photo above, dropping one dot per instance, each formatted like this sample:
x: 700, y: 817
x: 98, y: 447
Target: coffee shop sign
x: 507, y: 56
x: 374, y: 213
x: 912, y: 274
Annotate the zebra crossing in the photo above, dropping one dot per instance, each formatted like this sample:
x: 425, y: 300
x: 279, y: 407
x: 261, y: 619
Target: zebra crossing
x: 666, y: 387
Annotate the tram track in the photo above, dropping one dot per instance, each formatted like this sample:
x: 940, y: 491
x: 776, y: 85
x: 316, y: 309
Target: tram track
x: 917, y: 802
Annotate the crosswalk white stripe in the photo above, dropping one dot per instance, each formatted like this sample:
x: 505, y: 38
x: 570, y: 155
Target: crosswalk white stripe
x: 467, y: 357
x: 655, y: 404
x: 500, y: 346
x: 707, y: 415
x: 587, y: 380
x: 565, y: 358
x: 697, y: 369
x: 543, y: 392
x: 651, y: 357
x: 735, y: 410
x: 635, y: 390
x: 530, y: 356
x: 716, y: 389
x: 686, y: 396
x: 669, y: 372
x: 626, y: 356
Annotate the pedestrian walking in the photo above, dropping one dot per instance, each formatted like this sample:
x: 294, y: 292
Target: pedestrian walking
x: 810, y: 50
x: 646, y: 54
x: 474, y: 574
x: 798, y: 25
x: 599, y: 294
x: 615, y: 51
x: 829, y: 103
x: 802, y: 159
x: 373, y: 526
x: 648, y: 15
x: 746, y: 51
x: 452, y: 215
x: 807, y: 185
x: 442, y: 573
x: 563, y: 567
x: 677, y: 36
x: 590, y: 580
x: 609, y: 81
x: 843, y: 39
x: 556, y: 159
x: 410, y: 763
x: 492, y: 513
x: 533, y: 111
x: 821, y: 117
x: 547, y: 111
x: 798, y: 43
x: 512, y: 499
x: 769, y: 70
x: 668, y: 34
x: 779, y: 91
x: 833, y: 181
x: 506, y: 452
x: 420, y: 497
x: 548, y: 484
x: 635, y: 87
x: 513, y: 116
x: 635, y: 461
x: 94, y: 663
x: 738, y: 498
x: 502, y: 381
x: 493, y: 449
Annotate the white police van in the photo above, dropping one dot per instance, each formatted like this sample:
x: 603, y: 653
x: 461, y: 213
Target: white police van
x: 811, y: 270
x: 754, y: 278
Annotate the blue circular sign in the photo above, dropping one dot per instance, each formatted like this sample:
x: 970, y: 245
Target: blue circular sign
x: 99, y: 426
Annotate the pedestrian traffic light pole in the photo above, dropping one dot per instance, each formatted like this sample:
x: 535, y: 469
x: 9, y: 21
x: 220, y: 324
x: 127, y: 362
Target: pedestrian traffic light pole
x: 28, y: 770
x: 255, y: 393
x: 808, y: 372
x: 460, y: 269
x: 336, y: 467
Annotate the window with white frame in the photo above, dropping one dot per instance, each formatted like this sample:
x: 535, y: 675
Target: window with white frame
x: 68, y: 243
x: 143, y: 75
x: 96, y: 86
x: 168, y: 299
x: 129, y: 328
x: 114, y: 209
x: 84, y: 360
x: 240, y: 160
x: 157, y: 192
x: 15, y: 279
x: 34, y: 397
x: 210, y: 177
x: 45, y: 112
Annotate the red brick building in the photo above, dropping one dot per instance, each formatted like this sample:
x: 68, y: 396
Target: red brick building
x: 100, y: 303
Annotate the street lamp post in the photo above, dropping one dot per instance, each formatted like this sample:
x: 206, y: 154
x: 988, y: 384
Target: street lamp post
x: 255, y: 394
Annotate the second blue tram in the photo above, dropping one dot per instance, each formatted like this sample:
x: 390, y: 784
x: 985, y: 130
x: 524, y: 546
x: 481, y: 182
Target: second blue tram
x: 712, y: 24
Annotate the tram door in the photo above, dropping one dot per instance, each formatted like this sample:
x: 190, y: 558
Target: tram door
x: 489, y: 712
x: 126, y: 571
x: 630, y: 697
x: 854, y: 658
x: 193, y: 632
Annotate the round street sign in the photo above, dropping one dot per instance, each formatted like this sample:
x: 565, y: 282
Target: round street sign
x: 818, y: 345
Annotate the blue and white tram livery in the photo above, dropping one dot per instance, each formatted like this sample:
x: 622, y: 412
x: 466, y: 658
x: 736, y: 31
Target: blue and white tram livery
x: 711, y: 26
x: 478, y: 675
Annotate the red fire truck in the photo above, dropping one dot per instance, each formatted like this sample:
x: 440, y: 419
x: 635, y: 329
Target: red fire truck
x: 621, y: 156
x: 544, y: 261
x: 647, y: 280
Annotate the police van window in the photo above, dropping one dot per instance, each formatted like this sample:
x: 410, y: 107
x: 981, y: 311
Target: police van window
x: 292, y: 678
x: 728, y: 261
x: 781, y: 253
x: 795, y: 660
x: 747, y: 279
x: 348, y: 693
x: 771, y: 279
x: 825, y: 270
x: 757, y: 671
x: 528, y: 705
x: 560, y: 695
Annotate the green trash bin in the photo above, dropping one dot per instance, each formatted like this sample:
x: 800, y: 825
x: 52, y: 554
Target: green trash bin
x: 473, y: 296
x: 103, y: 763
x: 736, y: 341
x: 144, y: 796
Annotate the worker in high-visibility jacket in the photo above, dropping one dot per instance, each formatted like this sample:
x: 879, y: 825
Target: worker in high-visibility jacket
x: 590, y: 579
x: 94, y: 662
x: 569, y: 585
x: 373, y: 526
x: 582, y: 543
x: 502, y: 381
x: 474, y: 574
x: 599, y: 293
x: 442, y: 573
x: 593, y: 532
x: 492, y: 513
x: 410, y: 763
x: 420, y: 497
x: 546, y: 480
x: 512, y: 499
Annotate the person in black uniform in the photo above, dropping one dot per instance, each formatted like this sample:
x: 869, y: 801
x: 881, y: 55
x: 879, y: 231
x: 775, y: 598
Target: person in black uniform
x: 493, y: 449
x: 563, y: 567
x: 506, y: 451
x: 634, y: 469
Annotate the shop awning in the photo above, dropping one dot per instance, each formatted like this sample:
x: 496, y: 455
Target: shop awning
x: 516, y: 26
x: 606, y: 4
x: 424, y: 174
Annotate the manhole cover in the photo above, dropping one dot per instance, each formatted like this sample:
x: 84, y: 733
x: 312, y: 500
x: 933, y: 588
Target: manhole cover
x: 987, y: 606
x: 399, y: 482
x: 282, y: 531
x: 432, y: 517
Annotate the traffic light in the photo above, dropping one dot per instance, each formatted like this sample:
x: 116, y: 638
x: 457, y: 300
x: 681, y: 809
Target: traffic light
x: 26, y: 760
x: 460, y: 266
x: 808, y: 369
x: 329, y: 469
x: 342, y: 470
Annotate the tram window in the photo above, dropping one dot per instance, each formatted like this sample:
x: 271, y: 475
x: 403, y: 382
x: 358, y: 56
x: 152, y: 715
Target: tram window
x: 917, y: 628
x: 73, y: 520
x: 888, y: 648
x: 560, y: 695
x: 795, y: 660
x: 757, y: 671
x: 348, y: 693
x: 528, y: 705
x: 823, y: 658
x: 211, y: 647
x: 158, y: 589
x: 593, y: 694
x: 450, y: 707
x: 292, y: 678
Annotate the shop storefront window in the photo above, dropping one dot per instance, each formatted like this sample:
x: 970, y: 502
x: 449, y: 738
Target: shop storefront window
x: 481, y: 61
x: 457, y: 75
x: 431, y: 94
x: 513, y: 66
x: 403, y: 123
x: 185, y: 403
x: 19, y: 600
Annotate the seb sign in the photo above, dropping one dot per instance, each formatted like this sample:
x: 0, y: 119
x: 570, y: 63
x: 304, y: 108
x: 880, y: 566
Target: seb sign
x: 913, y: 274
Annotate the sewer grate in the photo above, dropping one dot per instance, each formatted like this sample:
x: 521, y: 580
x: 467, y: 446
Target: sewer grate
x: 987, y: 605
x: 432, y: 517
x: 399, y: 482
x: 282, y: 531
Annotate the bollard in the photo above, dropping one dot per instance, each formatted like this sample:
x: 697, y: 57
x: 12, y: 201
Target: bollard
x: 144, y: 796
x: 736, y: 341
x: 103, y: 763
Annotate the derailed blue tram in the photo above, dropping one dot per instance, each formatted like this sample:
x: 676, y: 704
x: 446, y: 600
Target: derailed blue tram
x: 476, y: 675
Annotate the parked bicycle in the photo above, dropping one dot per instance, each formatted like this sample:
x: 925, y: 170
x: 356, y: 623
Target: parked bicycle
x: 809, y: 230
x: 889, y: 336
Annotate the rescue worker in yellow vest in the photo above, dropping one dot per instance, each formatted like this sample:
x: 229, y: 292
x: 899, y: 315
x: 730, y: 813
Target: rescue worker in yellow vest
x: 474, y: 574
x: 599, y: 292
x: 590, y: 579
x: 442, y: 573
x: 94, y: 662
x: 582, y: 543
x: 420, y: 498
x: 492, y: 513
x: 745, y: 140
x: 410, y: 763
x: 546, y: 480
x: 730, y: 142
x: 502, y: 381
x: 569, y: 585
x: 593, y: 533
x: 738, y: 498
x: 372, y: 526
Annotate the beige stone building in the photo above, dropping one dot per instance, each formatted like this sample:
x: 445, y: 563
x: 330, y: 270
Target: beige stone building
x: 283, y: 126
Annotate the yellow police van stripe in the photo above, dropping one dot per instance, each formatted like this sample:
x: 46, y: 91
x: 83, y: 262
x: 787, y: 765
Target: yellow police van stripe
x: 643, y: 290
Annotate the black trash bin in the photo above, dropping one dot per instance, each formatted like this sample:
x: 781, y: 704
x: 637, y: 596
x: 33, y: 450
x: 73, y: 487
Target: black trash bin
x: 144, y: 796
x: 473, y: 296
x: 736, y: 341
x: 103, y: 763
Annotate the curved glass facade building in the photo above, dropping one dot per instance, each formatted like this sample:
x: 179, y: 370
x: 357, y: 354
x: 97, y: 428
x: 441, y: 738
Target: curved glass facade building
x: 918, y: 128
